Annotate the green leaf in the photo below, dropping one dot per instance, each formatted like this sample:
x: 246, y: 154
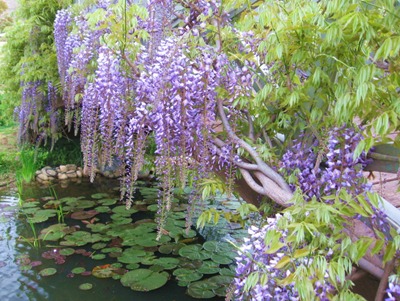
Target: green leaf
x: 285, y: 260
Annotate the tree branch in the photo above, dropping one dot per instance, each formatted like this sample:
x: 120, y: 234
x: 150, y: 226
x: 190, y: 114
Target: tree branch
x: 263, y: 167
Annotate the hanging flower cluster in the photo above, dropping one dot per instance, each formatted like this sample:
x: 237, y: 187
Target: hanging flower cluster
x: 38, y: 113
x: 164, y: 90
x: 253, y: 260
x: 341, y: 171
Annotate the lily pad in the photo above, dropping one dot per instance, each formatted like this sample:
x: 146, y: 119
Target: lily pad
x: 80, y: 215
x: 187, y: 275
x: 86, y: 286
x: 202, y: 289
x: 133, y: 266
x: 78, y: 270
x: 67, y: 251
x: 144, y: 280
x: 209, y: 267
x: 104, y: 271
x: 99, y: 195
x: 168, y: 263
x: 99, y: 246
x: 107, y: 202
x: 221, y: 259
x: 169, y: 248
x: 215, y: 246
x: 121, y: 210
x: 54, y: 232
x: 194, y: 252
x: 47, y: 272
x: 98, y: 256
x: 102, y: 209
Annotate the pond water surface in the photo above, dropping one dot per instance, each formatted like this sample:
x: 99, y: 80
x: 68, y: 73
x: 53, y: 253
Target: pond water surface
x: 18, y: 283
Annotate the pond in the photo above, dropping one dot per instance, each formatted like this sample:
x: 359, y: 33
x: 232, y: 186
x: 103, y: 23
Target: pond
x: 86, y: 238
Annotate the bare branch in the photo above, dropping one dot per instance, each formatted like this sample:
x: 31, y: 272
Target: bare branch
x: 263, y: 167
x: 380, y: 294
x: 251, y: 126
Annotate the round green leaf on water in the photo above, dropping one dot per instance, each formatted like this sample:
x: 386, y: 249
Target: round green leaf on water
x: 144, y: 280
x: 167, y: 263
x: 47, y: 272
x: 78, y: 270
x: 209, y: 267
x: 104, y: 271
x: 194, y: 252
x: 99, y: 246
x: 99, y: 195
x: 202, y: 289
x: 98, y: 256
x: 221, y: 259
x: 187, y: 275
x: 67, y: 251
x: 133, y: 266
x: 86, y: 286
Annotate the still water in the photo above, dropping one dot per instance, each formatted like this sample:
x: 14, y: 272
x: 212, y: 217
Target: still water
x: 19, y: 285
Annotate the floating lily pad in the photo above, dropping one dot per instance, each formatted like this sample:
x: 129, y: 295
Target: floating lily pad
x: 133, y: 266
x: 169, y: 248
x: 131, y: 255
x: 86, y: 286
x: 194, y: 252
x: 221, y: 259
x: 168, y: 263
x: 149, y: 260
x: 187, y: 275
x: 36, y: 263
x: 102, y: 209
x: 84, y: 204
x: 112, y: 250
x: 215, y: 246
x: 98, y: 256
x: 209, y: 267
x: 78, y: 270
x: 98, y: 227
x: 54, y: 232
x: 47, y: 272
x: 67, y: 251
x: 202, y: 289
x: 80, y: 215
x: 152, y: 208
x: 80, y: 238
x: 99, y: 246
x: 121, y: 210
x: 99, y: 195
x: 104, y: 271
x: 107, y: 202
x: 144, y: 280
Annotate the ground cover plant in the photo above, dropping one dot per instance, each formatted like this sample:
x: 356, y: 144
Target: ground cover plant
x: 281, y: 99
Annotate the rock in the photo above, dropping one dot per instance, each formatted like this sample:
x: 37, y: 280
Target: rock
x: 62, y: 176
x: 79, y: 173
x: 71, y: 167
x: 58, y: 169
x: 71, y: 174
x: 51, y: 178
x: 51, y: 172
x: 38, y: 172
x: 63, y: 168
x: 43, y: 177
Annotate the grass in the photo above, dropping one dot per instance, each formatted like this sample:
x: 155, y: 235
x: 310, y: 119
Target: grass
x: 8, y: 155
